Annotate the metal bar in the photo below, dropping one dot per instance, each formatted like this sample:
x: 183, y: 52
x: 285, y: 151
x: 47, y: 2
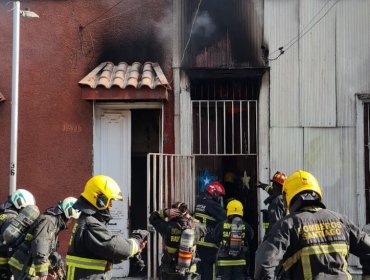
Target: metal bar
x: 188, y: 185
x: 224, y: 128
x: 178, y: 176
x: 183, y: 179
x: 241, y: 126
x: 232, y: 127
x: 193, y: 180
x: 249, y: 129
x: 148, y: 198
x: 224, y: 154
x: 216, y: 104
x: 192, y: 126
x: 208, y: 126
x: 200, y: 127
x: 166, y: 182
x: 177, y: 171
x: 155, y: 243
x: 172, y: 180
x: 160, y: 201
x: 162, y: 129
x: 256, y: 123
x: 160, y: 183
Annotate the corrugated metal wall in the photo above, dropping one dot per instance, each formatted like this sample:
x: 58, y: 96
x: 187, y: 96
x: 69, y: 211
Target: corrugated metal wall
x: 353, y: 56
x: 317, y: 66
x: 312, y: 90
x: 281, y: 25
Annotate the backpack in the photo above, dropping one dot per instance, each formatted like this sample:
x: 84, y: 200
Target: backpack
x: 17, y: 229
x: 236, y: 237
x: 185, y: 254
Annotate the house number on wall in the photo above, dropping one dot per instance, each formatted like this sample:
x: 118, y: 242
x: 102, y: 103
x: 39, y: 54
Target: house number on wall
x: 71, y: 127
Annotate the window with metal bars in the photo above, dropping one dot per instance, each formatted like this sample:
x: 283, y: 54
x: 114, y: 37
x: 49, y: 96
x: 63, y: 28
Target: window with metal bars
x: 224, y: 117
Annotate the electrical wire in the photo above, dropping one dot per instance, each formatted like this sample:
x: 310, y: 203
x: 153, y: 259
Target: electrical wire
x: 302, y: 28
x: 95, y: 19
x: 126, y: 11
x: 191, y: 31
x: 301, y: 34
x: 304, y: 33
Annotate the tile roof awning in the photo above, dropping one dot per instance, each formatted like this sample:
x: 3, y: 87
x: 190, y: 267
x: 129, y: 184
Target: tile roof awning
x: 125, y: 82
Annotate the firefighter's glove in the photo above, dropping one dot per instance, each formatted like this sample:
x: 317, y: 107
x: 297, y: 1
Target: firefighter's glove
x: 139, y: 262
x: 266, y: 187
x: 172, y: 213
x: 140, y: 235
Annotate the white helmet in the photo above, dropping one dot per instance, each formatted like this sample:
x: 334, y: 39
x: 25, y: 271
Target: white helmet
x: 67, y: 207
x: 22, y: 198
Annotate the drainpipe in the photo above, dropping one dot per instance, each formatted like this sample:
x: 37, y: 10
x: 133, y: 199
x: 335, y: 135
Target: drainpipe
x: 14, y: 114
x: 15, y: 87
x: 176, y: 72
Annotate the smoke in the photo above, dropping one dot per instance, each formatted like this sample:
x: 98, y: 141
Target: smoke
x: 204, y: 25
x: 230, y: 28
x: 163, y: 28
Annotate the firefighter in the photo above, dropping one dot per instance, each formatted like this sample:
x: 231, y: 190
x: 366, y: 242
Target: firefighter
x: 8, y: 211
x: 210, y: 212
x: 180, y: 232
x: 93, y: 248
x: 233, y: 237
x: 275, y: 210
x: 311, y: 242
x: 34, y: 257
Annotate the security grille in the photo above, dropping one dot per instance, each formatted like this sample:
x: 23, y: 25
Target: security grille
x: 170, y: 179
x: 224, y: 127
x: 367, y: 158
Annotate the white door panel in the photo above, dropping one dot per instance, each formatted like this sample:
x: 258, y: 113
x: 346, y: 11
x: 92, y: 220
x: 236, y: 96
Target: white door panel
x: 112, y: 157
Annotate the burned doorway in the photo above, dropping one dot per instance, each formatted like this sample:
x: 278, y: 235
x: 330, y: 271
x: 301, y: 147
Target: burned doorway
x: 145, y: 131
x: 224, y: 122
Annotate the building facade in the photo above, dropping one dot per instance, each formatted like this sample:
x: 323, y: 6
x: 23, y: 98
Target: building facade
x: 166, y: 95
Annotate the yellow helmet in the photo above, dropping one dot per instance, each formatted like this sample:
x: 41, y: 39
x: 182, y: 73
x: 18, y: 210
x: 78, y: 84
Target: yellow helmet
x: 100, y: 190
x: 234, y: 207
x: 298, y: 182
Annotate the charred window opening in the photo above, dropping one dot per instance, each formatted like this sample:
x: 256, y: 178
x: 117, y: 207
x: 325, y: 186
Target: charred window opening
x: 367, y: 158
x: 222, y: 33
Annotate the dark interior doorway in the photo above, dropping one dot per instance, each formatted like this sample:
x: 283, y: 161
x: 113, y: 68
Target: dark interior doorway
x: 225, y: 129
x: 145, y: 129
x: 238, y: 175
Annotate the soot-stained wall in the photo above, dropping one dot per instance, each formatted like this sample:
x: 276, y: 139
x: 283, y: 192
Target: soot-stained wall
x: 58, y: 49
x: 222, y: 33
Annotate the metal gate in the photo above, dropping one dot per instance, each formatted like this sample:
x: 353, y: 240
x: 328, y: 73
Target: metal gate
x: 224, y: 127
x: 170, y: 178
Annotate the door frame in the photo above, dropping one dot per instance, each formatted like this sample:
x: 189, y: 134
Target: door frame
x: 131, y: 106
x: 120, y: 107
x: 360, y: 99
